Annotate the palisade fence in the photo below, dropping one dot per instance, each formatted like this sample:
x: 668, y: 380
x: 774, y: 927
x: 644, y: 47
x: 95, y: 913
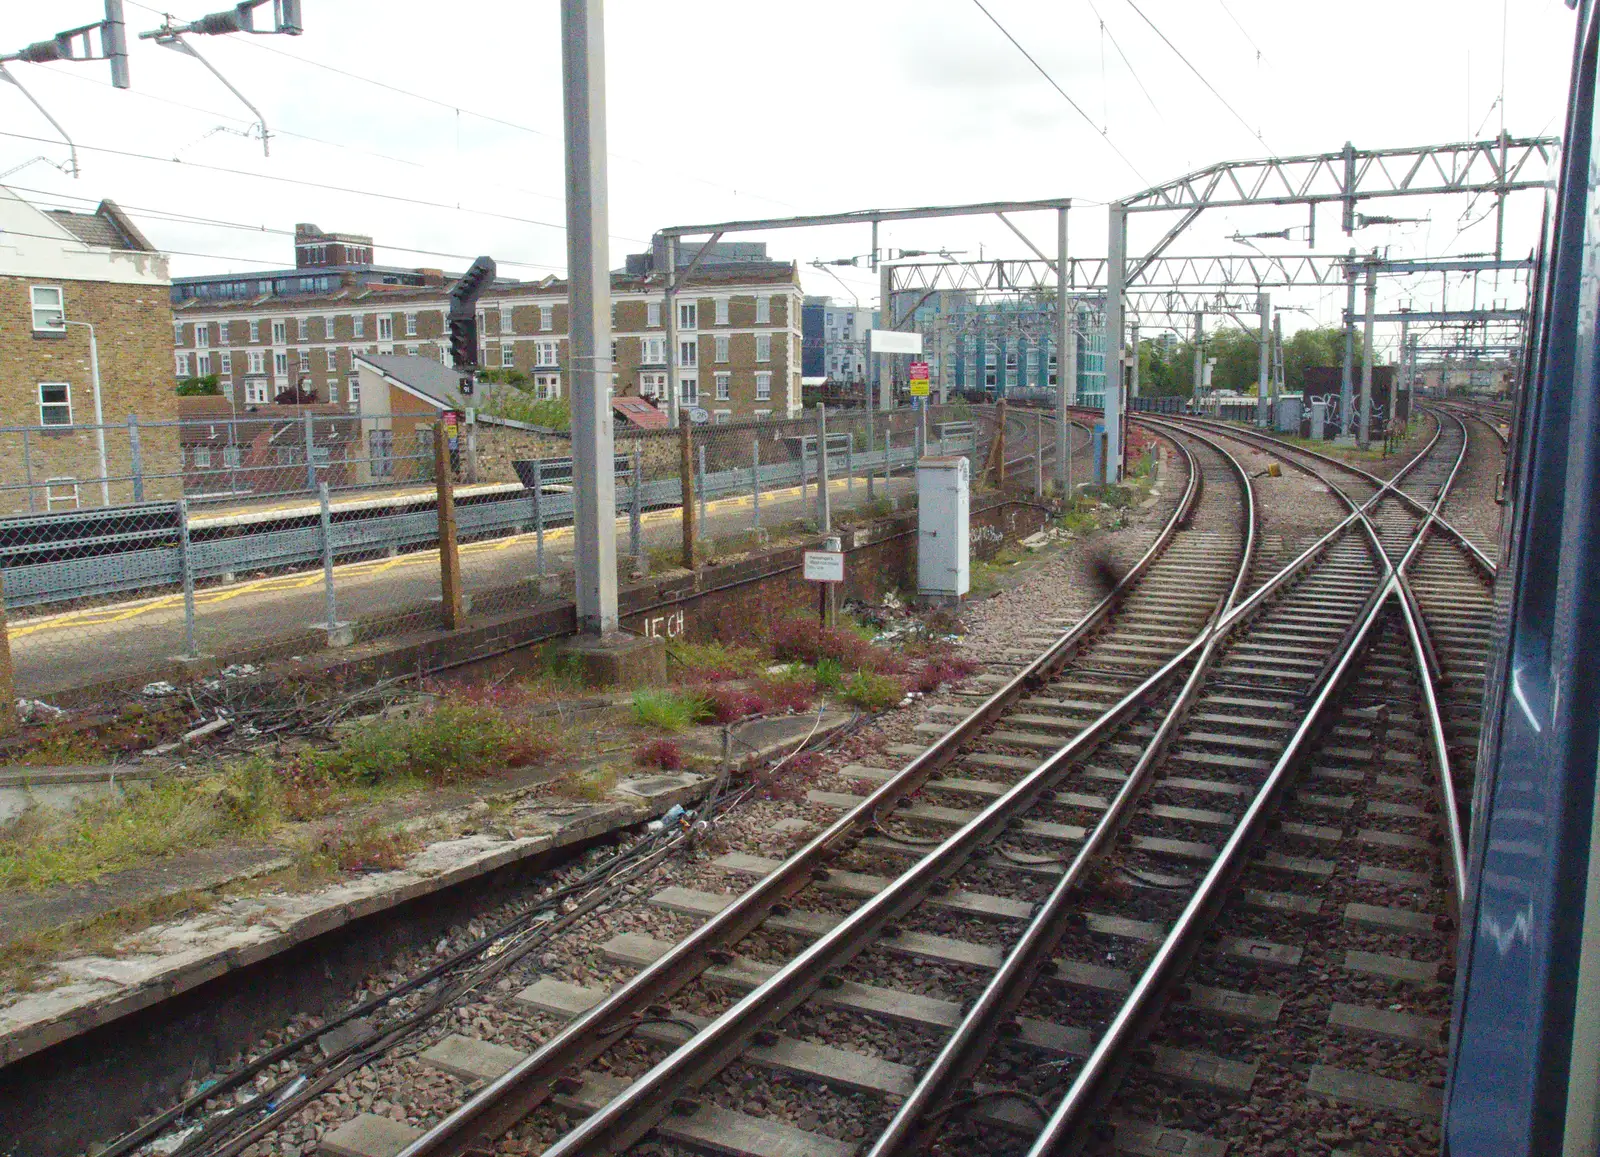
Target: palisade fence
x: 325, y: 528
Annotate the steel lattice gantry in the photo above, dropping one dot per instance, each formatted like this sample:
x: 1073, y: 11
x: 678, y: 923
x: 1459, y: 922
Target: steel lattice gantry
x: 1345, y: 177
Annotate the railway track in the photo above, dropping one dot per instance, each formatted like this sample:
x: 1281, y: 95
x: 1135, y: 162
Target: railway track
x: 1161, y: 768
x: 1051, y: 879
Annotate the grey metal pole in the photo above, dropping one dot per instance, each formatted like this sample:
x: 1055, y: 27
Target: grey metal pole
x: 885, y: 321
x: 1065, y: 340
x: 1277, y: 368
x: 755, y: 482
x: 472, y: 444
x: 27, y: 468
x: 136, y: 459
x: 700, y: 486
x: 824, y: 500
x: 1366, y: 356
x: 1116, y: 282
x: 1199, y: 356
x: 850, y: 461
x: 327, y: 555
x: 669, y: 325
x: 311, y: 441
x: 589, y: 330
x: 1133, y: 370
x: 186, y: 566
x: 636, y: 504
x: 538, y: 519
x: 1263, y: 357
x: 888, y: 460
x: 1347, y: 394
x: 872, y: 445
x: 1402, y: 371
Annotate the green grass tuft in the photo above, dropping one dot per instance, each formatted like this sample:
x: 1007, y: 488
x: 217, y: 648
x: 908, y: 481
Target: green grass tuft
x: 669, y: 711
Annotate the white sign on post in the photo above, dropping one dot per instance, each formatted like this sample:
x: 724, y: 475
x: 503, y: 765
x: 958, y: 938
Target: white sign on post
x: 824, y: 566
x: 893, y: 341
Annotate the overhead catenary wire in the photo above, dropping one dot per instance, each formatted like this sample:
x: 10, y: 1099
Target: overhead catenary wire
x: 344, y: 146
x: 299, y: 181
x: 1200, y: 75
x: 1132, y: 71
x: 1245, y: 32
x: 1077, y: 108
x: 458, y: 109
x: 175, y: 217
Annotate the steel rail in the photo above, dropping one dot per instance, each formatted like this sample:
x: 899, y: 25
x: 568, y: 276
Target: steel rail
x: 637, y: 1108
x: 498, y: 1106
x: 1417, y: 505
x: 913, y: 1124
x: 1422, y: 648
x: 1089, y: 1087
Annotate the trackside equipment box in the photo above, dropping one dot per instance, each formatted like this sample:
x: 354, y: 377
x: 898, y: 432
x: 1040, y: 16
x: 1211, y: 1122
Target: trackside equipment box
x: 943, y: 551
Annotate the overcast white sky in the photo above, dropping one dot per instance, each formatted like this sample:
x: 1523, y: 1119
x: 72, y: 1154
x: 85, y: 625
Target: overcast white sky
x: 725, y: 108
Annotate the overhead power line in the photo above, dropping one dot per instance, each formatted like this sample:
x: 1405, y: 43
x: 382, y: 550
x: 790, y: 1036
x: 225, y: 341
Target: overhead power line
x: 173, y: 216
x: 1243, y: 31
x: 459, y: 109
x: 1052, y: 81
x: 1134, y: 72
x: 280, y: 132
x: 323, y: 185
x: 1213, y: 88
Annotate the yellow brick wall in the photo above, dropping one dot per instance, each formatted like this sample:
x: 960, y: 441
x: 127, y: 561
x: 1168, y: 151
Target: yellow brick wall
x: 133, y: 328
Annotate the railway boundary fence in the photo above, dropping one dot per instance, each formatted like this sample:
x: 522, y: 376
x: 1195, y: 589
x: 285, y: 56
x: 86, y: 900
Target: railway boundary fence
x: 102, y: 591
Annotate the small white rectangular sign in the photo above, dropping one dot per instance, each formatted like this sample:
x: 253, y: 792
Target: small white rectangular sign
x: 894, y: 341
x: 824, y: 566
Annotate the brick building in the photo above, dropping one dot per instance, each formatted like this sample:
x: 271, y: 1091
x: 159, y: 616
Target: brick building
x: 738, y: 356
x: 73, y: 285
x: 323, y: 263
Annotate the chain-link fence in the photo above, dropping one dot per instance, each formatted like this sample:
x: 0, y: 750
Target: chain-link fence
x: 335, y: 536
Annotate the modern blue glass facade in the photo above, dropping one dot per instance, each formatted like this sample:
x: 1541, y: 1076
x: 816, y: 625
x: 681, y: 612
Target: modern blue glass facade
x: 1007, y: 346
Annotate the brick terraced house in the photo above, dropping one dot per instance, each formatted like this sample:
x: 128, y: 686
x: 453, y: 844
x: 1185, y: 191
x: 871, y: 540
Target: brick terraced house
x: 738, y: 355
x: 73, y: 286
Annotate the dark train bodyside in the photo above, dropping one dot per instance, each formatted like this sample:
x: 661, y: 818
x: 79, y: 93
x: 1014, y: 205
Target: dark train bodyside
x: 1524, y: 1076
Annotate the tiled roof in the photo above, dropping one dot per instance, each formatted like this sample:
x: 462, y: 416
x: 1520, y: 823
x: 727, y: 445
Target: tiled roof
x: 107, y: 227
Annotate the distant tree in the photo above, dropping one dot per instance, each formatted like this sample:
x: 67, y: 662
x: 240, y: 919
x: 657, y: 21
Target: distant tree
x: 202, y: 387
x: 509, y: 377
x: 1321, y: 346
x: 296, y: 395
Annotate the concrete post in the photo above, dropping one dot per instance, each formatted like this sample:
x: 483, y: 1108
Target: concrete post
x: 1133, y: 370
x: 191, y: 649
x: 700, y: 486
x: 589, y: 327
x: 310, y: 445
x: 136, y: 459
x: 472, y: 445
x: 1199, y: 356
x: 331, y: 619
x: 1263, y: 358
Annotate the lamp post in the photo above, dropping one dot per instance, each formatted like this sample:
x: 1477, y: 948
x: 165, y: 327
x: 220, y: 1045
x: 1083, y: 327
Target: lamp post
x: 99, y: 421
